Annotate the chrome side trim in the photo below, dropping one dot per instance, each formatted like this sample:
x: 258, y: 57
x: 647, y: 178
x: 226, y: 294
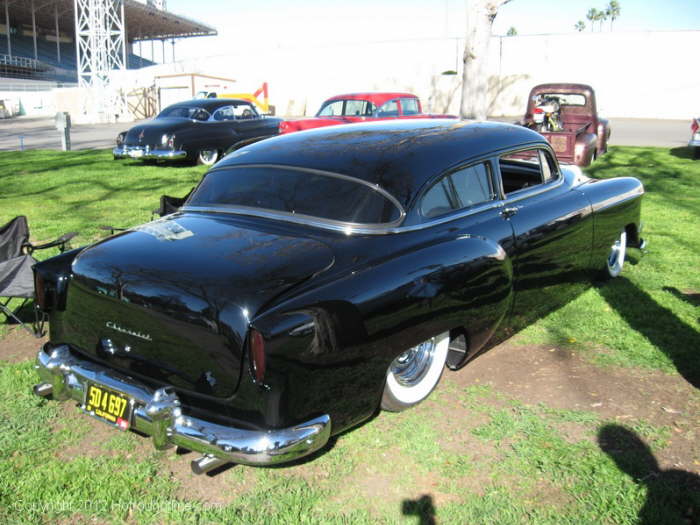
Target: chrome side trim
x: 144, y: 152
x: 160, y: 415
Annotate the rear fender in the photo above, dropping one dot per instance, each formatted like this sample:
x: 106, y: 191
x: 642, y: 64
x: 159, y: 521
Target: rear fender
x: 328, y: 349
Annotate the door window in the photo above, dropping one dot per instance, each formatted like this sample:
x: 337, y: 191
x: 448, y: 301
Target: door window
x: 409, y: 106
x: 459, y: 189
x: 526, y: 168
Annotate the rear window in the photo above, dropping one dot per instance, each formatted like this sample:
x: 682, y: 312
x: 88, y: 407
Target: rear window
x: 296, y: 192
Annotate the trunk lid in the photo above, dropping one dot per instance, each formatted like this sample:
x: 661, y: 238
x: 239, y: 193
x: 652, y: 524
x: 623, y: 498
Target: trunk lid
x: 171, y: 300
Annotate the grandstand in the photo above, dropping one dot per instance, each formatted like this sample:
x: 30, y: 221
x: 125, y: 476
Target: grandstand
x: 41, y: 42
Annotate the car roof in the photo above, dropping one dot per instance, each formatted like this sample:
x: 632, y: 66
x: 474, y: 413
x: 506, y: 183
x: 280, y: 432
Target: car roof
x: 397, y: 155
x: 208, y: 103
x: 377, y: 98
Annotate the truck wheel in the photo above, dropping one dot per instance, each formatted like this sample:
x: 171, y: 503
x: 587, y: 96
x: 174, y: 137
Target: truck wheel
x: 413, y: 375
x: 616, y: 257
x: 696, y: 153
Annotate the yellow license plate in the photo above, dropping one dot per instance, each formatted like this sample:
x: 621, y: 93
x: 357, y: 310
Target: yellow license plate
x: 108, y: 405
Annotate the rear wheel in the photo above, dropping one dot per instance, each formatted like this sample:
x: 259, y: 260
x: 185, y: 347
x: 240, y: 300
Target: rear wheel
x: 413, y: 375
x: 696, y: 153
x: 616, y: 257
x: 207, y: 157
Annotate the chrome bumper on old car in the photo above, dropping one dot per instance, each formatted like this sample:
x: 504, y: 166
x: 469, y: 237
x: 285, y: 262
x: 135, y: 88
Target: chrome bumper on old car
x: 145, y: 152
x: 159, y: 414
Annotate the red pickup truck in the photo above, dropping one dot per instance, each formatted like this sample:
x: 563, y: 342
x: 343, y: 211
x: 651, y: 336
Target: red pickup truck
x: 360, y: 107
x: 567, y: 116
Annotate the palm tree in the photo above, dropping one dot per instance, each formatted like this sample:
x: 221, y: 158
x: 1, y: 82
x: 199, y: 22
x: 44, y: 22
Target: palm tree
x: 579, y: 26
x: 613, y: 11
x: 601, y: 16
x: 592, y: 16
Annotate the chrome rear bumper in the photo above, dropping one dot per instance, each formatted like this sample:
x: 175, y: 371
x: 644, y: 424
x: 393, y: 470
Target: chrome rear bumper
x: 159, y: 414
x: 144, y: 152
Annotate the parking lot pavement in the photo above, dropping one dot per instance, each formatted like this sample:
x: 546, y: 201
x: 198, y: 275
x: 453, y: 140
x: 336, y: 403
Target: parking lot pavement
x: 649, y: 132
x: 40, y: 133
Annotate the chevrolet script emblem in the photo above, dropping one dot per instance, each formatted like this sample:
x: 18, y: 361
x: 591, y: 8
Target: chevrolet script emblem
x: 118, y: 328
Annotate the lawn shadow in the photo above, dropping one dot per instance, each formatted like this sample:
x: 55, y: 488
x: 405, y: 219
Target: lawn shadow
x: 658, y: 324
x: 673, y: 496
x: 689, y: 297
x: 422, y: 507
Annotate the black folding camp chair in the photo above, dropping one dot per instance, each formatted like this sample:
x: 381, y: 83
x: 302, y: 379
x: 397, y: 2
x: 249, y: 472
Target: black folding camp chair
x: 16, y: 275
x: 170, y: 204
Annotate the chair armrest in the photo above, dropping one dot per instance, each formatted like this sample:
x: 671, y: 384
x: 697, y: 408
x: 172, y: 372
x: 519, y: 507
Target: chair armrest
x: 111, y: 229
x: 60, y: 242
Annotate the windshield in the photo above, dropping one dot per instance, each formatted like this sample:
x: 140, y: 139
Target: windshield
x: 296, y: 192
x: 189, y: 112
x: 345, y: 108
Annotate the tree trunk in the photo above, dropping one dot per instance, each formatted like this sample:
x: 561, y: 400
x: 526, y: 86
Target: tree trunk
x: 480, y: 15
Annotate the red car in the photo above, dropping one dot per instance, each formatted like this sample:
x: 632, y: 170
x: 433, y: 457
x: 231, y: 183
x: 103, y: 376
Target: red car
x: 358, y: 107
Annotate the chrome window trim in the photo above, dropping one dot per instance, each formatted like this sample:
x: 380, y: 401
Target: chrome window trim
x: 346, y: 228
x: 300, y: 217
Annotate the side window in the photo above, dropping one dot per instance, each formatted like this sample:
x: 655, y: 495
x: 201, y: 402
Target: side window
x: 243, y: 111
x: 389, y: 109
x: 459, y: 189
x: 409, y: 106
x: 333, y: 109
x: 225, y: 113
x: 358, y: 108
x: 525, y: 169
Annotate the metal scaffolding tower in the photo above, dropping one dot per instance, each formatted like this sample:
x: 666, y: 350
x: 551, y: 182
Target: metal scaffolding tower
x: 100, y: 48
x: 101, y: 41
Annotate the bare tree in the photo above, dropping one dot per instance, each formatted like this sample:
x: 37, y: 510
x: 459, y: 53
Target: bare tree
x: 480, y: 16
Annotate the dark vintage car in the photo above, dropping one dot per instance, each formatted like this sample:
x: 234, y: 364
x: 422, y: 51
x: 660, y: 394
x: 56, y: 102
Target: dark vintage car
x: 199, y: 130
x: 312, y: 278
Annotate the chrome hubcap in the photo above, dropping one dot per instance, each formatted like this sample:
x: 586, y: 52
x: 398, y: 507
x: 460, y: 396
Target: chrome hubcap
x: 208, y: 156
x: 411, y: 366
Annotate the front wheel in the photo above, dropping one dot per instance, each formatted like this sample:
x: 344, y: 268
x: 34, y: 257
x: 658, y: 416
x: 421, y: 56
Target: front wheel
x: 207, y: 157
x: 413, y: 375
x: 616, y: 257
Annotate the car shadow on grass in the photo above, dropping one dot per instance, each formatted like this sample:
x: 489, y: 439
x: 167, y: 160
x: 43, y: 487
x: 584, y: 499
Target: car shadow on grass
x: 658, y: 324
x: 683, y: 152
x: 673, y: 496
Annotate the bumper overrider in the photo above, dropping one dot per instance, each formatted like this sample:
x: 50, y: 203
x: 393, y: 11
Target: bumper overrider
x: 144, y: 152
x: 158, y: 413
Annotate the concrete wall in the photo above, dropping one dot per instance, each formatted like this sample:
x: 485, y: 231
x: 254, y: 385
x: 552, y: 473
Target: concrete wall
x: 641, y: 75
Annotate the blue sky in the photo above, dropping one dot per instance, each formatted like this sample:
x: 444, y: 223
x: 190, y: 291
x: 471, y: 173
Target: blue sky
x: 276, y: 23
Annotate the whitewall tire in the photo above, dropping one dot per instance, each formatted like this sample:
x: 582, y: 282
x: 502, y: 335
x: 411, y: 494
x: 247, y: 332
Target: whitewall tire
x: 413, y: 375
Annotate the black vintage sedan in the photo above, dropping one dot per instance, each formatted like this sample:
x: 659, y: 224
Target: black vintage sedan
x: 313, y: 278
x: 199, y: 130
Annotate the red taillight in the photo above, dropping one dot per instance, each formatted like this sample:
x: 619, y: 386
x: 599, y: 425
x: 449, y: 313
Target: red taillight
x: 257, y: 356
x: 283, y: 126
x: 538, y: 110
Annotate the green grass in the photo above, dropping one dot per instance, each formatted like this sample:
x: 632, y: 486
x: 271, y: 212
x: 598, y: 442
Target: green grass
x: 647, y: 317
x: 467, y: 455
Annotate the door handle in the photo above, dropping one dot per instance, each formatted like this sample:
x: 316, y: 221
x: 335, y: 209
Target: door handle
x: 509, y: 212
